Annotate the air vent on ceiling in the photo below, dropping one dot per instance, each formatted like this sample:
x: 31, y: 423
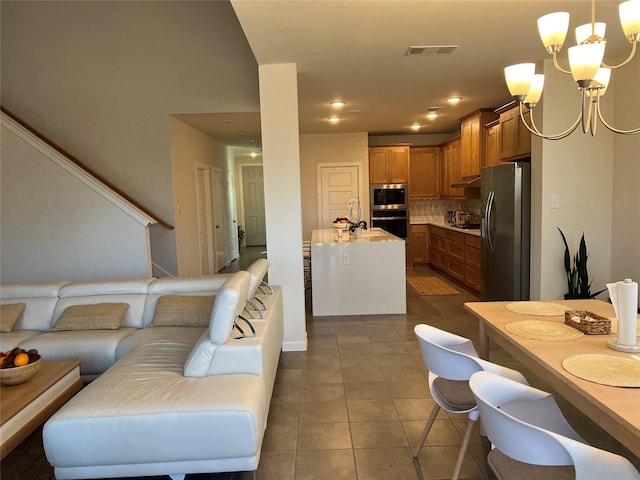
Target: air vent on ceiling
x: 431, y: 51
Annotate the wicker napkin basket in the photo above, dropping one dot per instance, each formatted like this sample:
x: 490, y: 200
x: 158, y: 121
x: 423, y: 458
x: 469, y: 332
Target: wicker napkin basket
x: 587, y: 322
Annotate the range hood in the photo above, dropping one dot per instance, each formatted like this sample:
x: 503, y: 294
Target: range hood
x: 473, y: 182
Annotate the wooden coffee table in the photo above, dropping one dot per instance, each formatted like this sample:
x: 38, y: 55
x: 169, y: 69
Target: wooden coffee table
x: 24, y: 407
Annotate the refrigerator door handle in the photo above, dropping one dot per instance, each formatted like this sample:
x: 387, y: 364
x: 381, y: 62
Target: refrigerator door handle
x: 488, y: 217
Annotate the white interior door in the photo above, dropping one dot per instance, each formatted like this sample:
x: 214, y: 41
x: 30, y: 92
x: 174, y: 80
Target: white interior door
x: 205, y: 219
x: 253, y: 200
x: 339, y: 183
x: 220, y: 232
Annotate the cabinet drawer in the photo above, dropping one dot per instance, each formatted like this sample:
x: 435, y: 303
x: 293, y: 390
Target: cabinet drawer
x: 472, y: 241
x: 455, y: 268
x: 456, y: 250
x: 473, y: 256
x: 456, y: 236
x: 437, y: 231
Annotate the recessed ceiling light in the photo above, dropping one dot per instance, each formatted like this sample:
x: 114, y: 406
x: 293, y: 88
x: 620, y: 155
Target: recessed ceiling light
x: 415, y: 127
x: 454, y: 100
x: 337, y: 104
x: 334, y: 119
x: 432, y: 115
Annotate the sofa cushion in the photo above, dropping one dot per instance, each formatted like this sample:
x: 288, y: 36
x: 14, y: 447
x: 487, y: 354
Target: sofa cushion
x: 229, y: 303
x: 98, y: 316
x: 200, y: 357
x: 9, y: 315
x: 257, y: 270
x: 183, y: 311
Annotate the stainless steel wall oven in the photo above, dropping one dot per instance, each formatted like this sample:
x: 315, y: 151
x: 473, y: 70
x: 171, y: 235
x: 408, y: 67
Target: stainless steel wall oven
x: 389, y: 196
x: 394, y: 221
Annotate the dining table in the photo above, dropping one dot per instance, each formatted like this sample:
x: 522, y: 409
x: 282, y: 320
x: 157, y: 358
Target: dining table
x: 616, y: 409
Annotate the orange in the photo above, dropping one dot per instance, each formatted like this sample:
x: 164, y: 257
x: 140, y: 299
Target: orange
x: 21, y: 360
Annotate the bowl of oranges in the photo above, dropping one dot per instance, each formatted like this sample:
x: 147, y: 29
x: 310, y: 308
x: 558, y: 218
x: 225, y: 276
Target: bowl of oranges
x: 18, y: 365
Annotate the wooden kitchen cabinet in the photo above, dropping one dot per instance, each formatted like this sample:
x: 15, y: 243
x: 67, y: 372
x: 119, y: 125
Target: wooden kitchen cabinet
x: 457, y: 255
x: 389, y: 165
x: 515, y: 139
x: 473, y: 140
x: 418, y: 244
x: 450, y: 169
x: 491, y: 143
x: 424, y: 172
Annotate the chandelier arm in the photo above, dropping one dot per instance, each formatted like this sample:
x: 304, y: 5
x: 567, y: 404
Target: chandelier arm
x: 535, y: 131
x: 593, y: 116
x: 631, y: 55
x: 614, y: 130
x: 557, y: 65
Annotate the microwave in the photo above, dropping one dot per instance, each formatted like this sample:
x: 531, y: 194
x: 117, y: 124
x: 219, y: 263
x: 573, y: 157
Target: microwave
x: 389, y: 196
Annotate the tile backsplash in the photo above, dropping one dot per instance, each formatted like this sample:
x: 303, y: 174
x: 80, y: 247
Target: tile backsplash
x: 435, y: 210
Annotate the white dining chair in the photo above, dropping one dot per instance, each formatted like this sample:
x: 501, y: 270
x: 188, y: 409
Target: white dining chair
x: 451, y: 360
x: 531, y: 436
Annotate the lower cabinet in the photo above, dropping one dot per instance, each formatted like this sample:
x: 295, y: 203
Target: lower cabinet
x: 456, y: 255
x: 418, y: 244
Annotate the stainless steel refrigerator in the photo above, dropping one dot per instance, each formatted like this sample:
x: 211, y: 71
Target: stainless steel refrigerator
x: 506, y: 225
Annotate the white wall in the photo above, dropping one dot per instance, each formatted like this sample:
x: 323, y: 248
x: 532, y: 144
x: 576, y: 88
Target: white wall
x: 189, y: 147
x: 625, y: 259
x: 101, y: 78
x: 55, y: 227
x: 331, y: 148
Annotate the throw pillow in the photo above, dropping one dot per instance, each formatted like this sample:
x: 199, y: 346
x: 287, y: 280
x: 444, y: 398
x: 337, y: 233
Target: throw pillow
x: 98, y: 316
x: 183, y: 311
x: 10, y: 313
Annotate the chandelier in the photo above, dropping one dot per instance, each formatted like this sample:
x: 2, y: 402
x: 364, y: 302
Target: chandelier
x: 586, y: 66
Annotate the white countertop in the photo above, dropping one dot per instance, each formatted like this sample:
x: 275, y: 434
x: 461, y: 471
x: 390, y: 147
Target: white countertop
x: 448, y: 226
x: 375, y: 234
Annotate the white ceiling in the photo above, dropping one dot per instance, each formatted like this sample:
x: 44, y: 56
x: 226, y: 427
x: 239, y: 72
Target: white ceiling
x: 355, y: 51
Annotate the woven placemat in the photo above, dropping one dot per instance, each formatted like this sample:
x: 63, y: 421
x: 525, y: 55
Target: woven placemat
x: 545, y: 309
x: 543, y: 330
x: 614, y: 325
x: 604, y: 369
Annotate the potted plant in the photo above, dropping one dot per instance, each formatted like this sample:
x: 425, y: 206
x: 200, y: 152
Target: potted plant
x: 356, y: 227
x: 578, y: 284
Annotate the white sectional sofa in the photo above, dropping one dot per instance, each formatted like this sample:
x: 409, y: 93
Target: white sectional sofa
x: 164, y: 399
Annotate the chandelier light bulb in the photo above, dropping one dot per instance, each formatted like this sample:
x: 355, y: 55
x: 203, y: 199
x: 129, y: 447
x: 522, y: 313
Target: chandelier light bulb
x: 553, y: 30
x: 630, y: 19
x: 585, y: 60
x: 535, y: 90
x: 600, y: 82
x: 583, y: 32
x: 519, y: 78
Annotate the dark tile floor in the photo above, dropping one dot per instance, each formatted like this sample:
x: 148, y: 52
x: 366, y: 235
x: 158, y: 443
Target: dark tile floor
x: 353, y: 405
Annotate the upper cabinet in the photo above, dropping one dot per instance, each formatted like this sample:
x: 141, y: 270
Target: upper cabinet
x: 491, y: 143
x: 424, y: 171
x: 515, y: 139
x: 473, y: 141
x: 450, y: 169
x: 389, y: 165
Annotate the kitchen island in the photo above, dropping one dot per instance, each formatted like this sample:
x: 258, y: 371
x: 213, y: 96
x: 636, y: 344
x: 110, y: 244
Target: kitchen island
x: 364, y: 276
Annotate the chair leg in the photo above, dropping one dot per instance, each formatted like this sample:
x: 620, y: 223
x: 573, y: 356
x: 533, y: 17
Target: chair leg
x: 425, y: 432
x: 463, y: 449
